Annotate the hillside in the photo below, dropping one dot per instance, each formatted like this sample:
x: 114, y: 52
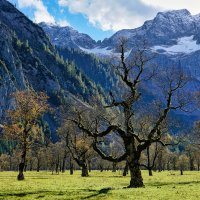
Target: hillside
x: 28, y: 59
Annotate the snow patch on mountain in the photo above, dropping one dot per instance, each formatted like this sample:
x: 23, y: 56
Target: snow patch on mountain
x: 185, y: 45
x: 104, y: 52
x: 98, y: 51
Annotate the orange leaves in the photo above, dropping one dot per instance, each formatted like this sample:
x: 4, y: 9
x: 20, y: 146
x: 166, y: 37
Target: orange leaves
x: 13, y: 131
x: 29, y: 105
x: 82, y: 144
x: 23, y: 120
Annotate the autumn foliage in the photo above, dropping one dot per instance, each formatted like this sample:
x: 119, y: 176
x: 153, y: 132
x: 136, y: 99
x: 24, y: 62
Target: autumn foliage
x: 22, y: 121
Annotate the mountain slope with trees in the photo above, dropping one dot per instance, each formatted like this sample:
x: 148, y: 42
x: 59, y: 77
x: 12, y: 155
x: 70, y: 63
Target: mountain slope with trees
x: 28, y: 59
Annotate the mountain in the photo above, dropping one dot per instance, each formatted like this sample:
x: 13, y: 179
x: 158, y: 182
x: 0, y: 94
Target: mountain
x: 172, y: 32
x: 61, y: 63
x: 164, y: 29
x: 67, y: 37
x: 174, y: 36
x: 28, y: 59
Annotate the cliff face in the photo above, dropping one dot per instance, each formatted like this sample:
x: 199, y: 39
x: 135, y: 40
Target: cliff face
x: 27, y: 58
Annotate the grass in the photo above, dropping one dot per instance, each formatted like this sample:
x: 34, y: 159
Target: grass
x: 100, y: 185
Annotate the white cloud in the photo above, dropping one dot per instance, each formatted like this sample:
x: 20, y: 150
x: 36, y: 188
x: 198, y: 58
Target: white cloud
x: 192, y: 5
x: 63, y: 23
x: 41, y: 13
x: 120, y: 14
x: 112, y: 14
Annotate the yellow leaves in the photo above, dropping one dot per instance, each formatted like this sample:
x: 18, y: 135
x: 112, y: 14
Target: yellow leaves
x: 29, y: 106
x: 36, y: 131
x: 82, y: 144
x: 13, y: 131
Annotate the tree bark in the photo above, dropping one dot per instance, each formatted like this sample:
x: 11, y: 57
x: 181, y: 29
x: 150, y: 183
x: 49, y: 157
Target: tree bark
x: 22, y: 166
x: 192, y: 167
x: 125, y: 172
x: 71, y: 166
x: 89, y: 166
x: 71, y: 169
x: 181, y: 172
x: 57, y: 167
x: 174, y: 164
x: 10, y: 163
x: 150, y: 172
x: 84, y: 170
x: 38, y: 165
x: 149, y: 162
x: 31, y: 165
x: 135, y: 172
x: 136, y: 176
x: 114, y: 165
x: 25, y: 166
x: 63, y: 163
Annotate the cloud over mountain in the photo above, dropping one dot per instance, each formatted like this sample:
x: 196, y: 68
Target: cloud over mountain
x: 111, y: 14
x: 41, y: 13
x: 192, y: 5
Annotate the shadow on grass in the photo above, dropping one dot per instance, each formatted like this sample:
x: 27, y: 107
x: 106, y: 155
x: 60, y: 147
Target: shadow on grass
x: 40, y: 193
x: 173, y: 183
x: 102, y: 191
x: 44, y: 193
x: 23, y: 194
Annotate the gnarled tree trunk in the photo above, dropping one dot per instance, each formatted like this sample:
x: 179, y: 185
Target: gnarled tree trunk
x: 136, y: 176
x: 134, y: 164
x: 22, y: 166
x: 84, y: 170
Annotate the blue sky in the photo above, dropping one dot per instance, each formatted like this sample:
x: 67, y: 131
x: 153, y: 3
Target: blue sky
x: 100, y: 18
x: 77, y: 20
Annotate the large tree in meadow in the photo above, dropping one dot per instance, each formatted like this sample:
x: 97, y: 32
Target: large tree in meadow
x: 22, y: 121
x: 122, y: 116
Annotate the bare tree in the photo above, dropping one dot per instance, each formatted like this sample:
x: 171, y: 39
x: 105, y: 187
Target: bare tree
x: 124, y: 121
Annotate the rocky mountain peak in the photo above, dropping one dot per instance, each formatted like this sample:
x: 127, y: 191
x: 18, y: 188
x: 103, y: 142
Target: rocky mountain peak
x: 178, y: 13
x: 68, y: 37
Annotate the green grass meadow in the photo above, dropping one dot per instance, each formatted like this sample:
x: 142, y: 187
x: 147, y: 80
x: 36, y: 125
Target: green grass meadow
x: 99, y: 185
